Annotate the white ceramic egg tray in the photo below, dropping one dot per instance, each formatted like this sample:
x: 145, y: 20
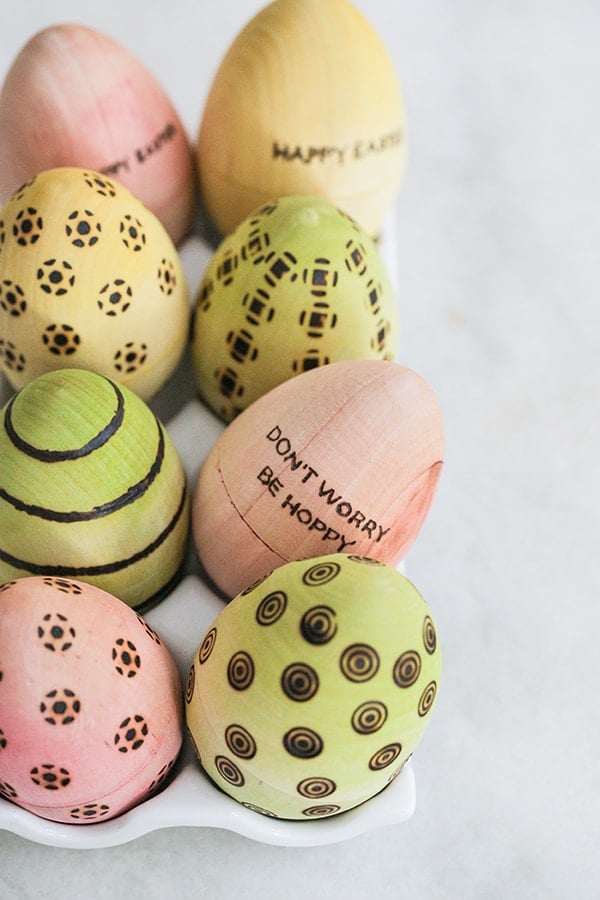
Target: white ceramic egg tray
x: 181, y: 619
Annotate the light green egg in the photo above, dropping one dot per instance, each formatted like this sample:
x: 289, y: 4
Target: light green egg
x: 91, y: 487
x: 297, y: 285
x: 313, y: 687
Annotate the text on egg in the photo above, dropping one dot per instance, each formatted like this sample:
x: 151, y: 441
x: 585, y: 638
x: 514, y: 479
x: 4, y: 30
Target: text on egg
x: 339, y: 505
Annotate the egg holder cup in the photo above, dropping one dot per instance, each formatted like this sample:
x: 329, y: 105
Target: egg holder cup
x: 190, y: 799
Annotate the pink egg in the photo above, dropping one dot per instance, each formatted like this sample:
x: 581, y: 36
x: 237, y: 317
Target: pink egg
x: 90, y: 702
x: 75, y: 97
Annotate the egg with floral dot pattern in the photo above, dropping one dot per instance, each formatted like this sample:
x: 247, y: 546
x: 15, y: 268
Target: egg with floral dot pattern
x: 313, y: 687
x: 89, y: 279
x: 91, y: 718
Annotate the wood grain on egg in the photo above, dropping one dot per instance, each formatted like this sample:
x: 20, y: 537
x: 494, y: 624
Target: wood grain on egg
x: 306, y: 101
x: 76, y: 97
x: 345, y: 458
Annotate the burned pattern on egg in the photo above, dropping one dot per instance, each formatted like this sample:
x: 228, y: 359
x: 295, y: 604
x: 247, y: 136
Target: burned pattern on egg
x: 113, y: 472
x: 88, y: 278
x: 296, y: 286
x: 314, y: 684
x: 105, y: 731
x: 306, y: 112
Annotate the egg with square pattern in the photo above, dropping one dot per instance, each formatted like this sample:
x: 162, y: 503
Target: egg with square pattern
x: 91, y: 713
x: 313, y: 686
x: 297, y: 285
x: 89, y: 278
x: 91, y: 487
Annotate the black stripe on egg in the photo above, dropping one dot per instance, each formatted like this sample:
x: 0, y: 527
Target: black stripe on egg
x: 50, y: 456
x: 132, y: 494
x: 105, y: 568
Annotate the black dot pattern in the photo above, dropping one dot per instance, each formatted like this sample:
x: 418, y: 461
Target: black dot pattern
x: 50, y: 777
x: 131, y: 734
x: 126, y: 658
x: 71, y: 287
x: 60, y: 706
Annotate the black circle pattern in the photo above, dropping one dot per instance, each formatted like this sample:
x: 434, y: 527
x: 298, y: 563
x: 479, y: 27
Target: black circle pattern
x: 359, y: 662
x: 318, y: 625
x: 228, y: 770
x: 190, y: 684
x: 207, y: 646
x: 427, y: 698
x: 407, y: 669
x: 303, y: 742
x: 240, y: 741
x: 299, y: 682
x: 321, y: 573
x: 240, y: 671
x: 271, y: 608
x: 369, y: 717
x: 429, y: 635
x: 314, y: 788
x: 385, y: 756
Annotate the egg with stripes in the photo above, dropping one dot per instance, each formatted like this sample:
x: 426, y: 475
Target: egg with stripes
x: 91, y: 488
x: 89, y: 278
x: 91, y: 717
x: 313, y: 687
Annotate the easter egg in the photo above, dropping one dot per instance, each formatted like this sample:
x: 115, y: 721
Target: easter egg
x: 305, y: 101
x: 297, y: 285
x: 89, y: 278
x: 91, y: 488
x: 343, y: 458
x: 76, y: 97
x: 313, y: 687
x: 91, y: 717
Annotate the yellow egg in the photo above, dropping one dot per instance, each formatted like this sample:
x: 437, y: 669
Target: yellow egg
x: 305, y: 101
x: 89, y: 279
x: 344, y: 458
x: 76, y: 97
x: 297, y: 285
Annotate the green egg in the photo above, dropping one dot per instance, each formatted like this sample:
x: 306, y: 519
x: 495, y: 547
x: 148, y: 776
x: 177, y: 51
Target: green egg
x: 297, y: 285
x: 313, y: 687
x: 91, y: 487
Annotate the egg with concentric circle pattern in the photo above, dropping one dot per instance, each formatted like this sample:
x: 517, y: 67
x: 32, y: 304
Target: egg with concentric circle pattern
x: 90, y: 279
x: 313, y: 687
x: 91, y: 487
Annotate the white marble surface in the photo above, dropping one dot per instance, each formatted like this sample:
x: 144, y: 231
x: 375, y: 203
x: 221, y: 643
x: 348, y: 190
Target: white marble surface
x: 498, y: 267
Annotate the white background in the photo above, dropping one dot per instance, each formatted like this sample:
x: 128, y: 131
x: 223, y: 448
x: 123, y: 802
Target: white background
x: 497, y: 255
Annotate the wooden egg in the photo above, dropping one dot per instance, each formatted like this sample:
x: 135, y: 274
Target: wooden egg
x: 305, y: 101
x: 344, y: 458
x: 91, y: 488
x: 91, y: 717
x: 75, y: 97
x: 297, y: 285
x: 88, y: 278
x: 312, y: 688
